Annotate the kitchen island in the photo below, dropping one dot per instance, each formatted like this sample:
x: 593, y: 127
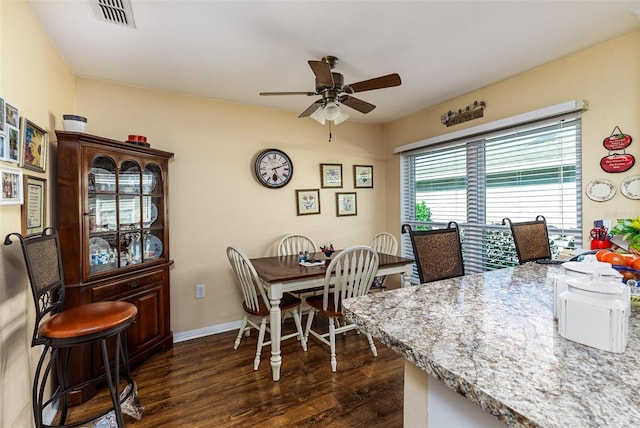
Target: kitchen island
x: 491, y: 338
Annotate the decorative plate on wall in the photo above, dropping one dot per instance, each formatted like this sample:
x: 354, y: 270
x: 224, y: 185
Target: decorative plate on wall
x: 630, y: 187
x: 600, y: 190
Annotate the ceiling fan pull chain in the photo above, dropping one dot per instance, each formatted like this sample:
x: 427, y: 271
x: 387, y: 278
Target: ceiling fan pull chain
x: 329, y: 131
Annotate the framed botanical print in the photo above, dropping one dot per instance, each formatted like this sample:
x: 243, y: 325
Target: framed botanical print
x: 346, y: 204
x: 308, y: 201
x: 362, y: 176
x: 11, y: 181
x: 34, y: 145
x: 331, y: 175
x: 34, y: 207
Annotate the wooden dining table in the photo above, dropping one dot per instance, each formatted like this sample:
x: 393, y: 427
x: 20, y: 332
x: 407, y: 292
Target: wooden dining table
x: 280, y: 274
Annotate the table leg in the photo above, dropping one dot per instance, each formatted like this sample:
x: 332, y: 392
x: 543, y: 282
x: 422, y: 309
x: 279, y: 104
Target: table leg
x: 406, y: 276
x: 275, y: 295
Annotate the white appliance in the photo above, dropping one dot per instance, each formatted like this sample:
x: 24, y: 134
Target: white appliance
x: 594, y: 311
x: 579, y: 270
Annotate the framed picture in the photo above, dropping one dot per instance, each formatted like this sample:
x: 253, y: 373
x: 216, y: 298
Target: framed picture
x: 33, y: 147
x: 331, y: 175
x: 34, y: 207
x: 11, y: 180
x: 13, y: 151
x: 4, y: 147
x: 308, y: 201
x: 362, y: 176
x: 10, y: 115
x: 2, y: 116
x: 346, y: 204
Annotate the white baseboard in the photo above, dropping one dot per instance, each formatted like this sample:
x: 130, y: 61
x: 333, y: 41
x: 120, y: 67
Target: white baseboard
x: 206, y: 331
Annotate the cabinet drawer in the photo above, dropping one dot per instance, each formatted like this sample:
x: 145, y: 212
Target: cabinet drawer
x: 128, y: 286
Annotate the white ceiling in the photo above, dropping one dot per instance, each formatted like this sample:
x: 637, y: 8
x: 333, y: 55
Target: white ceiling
x: 232, y: 50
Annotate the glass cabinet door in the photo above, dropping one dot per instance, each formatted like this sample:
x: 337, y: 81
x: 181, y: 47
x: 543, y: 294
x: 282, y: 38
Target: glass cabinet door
x: 125, y: 210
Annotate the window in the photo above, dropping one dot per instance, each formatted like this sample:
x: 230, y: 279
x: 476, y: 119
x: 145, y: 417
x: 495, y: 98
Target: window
x: 476, y: 181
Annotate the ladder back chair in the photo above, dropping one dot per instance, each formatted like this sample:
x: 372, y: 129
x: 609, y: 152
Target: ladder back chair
x: 294, y: 243
x: 350, y: 274
x: 257, y: 306
x: 531, y: 239
x: 437, y: 252
x: 383, y: 243
x: 60, y: 330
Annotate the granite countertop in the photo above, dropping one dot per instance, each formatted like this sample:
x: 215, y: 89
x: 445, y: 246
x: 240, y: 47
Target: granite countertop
x: 492, y: 338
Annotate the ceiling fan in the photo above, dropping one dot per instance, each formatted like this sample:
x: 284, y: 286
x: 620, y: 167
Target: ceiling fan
x: 330, y: 85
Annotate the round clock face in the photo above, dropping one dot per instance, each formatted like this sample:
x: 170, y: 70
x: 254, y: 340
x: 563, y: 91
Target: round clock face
x: 274, y: 168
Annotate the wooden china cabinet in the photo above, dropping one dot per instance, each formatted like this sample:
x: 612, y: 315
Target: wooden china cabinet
x: 114, y: 236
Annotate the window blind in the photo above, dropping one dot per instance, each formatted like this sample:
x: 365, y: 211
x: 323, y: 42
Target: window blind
x: 520, y: 172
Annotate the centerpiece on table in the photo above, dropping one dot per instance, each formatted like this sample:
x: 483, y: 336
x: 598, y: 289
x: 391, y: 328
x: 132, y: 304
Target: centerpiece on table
x: 328, y: 250
x: 629, y: 230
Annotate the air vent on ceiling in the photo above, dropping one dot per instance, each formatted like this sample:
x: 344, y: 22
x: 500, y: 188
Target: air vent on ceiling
x: 115, y: 12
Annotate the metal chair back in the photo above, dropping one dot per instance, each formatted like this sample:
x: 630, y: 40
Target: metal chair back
x: 46, y: 278
x: 437, y: 252
x: 531, y: 239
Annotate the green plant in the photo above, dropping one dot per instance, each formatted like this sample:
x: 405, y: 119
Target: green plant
x: 629, y: 228
x: 423, y: 212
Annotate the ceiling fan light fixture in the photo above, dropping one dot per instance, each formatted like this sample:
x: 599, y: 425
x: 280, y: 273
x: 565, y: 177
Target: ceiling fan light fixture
x: 318, y: 116
x: 331, y: 111
x: 343, y: 116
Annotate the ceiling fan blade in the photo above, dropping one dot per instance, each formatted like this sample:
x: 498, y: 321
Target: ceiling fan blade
x: 313, y: 107
x: 288, y: 93
x: 322, y: 70
x: 357, y: 104
x: 376, y: 83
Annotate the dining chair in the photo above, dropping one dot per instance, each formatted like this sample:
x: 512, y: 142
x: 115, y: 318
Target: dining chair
x: 257, y: 306
x: 531, y: 239
x: 294, y: 243
x: 102, y: 324
x: 350, y: 274
x: 385, y: 243
x: 437, y: 252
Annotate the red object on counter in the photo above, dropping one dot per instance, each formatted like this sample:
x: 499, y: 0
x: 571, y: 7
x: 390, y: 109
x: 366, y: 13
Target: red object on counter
x: 600, y: 244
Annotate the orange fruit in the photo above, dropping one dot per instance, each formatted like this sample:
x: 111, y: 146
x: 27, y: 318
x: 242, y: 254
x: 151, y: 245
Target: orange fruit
x: 600, y: 254
x: 635, y: 263
x: 615, y: 259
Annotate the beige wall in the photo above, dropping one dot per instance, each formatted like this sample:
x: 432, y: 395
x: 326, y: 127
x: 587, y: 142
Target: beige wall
x: 215, y: 201
x: 35, y: 79
x: 606, y: 75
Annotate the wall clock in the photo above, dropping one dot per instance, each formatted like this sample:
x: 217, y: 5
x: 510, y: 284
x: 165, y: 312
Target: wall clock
x: 274, y: 168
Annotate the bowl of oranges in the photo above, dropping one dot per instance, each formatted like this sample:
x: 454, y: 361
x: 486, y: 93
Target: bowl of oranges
x: 627, y: 264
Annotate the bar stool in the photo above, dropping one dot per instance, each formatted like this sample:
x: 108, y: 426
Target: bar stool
x: 59, y: 331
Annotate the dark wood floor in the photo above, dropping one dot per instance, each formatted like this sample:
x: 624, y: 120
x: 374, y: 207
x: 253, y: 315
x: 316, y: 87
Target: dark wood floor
x: 205, y: 383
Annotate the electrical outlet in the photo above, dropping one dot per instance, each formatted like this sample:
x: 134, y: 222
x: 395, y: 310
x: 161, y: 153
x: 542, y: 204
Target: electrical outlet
x: 199, y: 291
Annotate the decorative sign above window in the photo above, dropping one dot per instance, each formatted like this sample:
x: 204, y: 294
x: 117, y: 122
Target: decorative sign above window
x: 470, y: 112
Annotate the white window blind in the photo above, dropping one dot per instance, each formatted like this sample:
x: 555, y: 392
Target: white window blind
x: 519, y: 173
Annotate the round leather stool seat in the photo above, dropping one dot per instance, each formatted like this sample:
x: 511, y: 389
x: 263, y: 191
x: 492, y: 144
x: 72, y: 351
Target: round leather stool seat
x: 86, y: 321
